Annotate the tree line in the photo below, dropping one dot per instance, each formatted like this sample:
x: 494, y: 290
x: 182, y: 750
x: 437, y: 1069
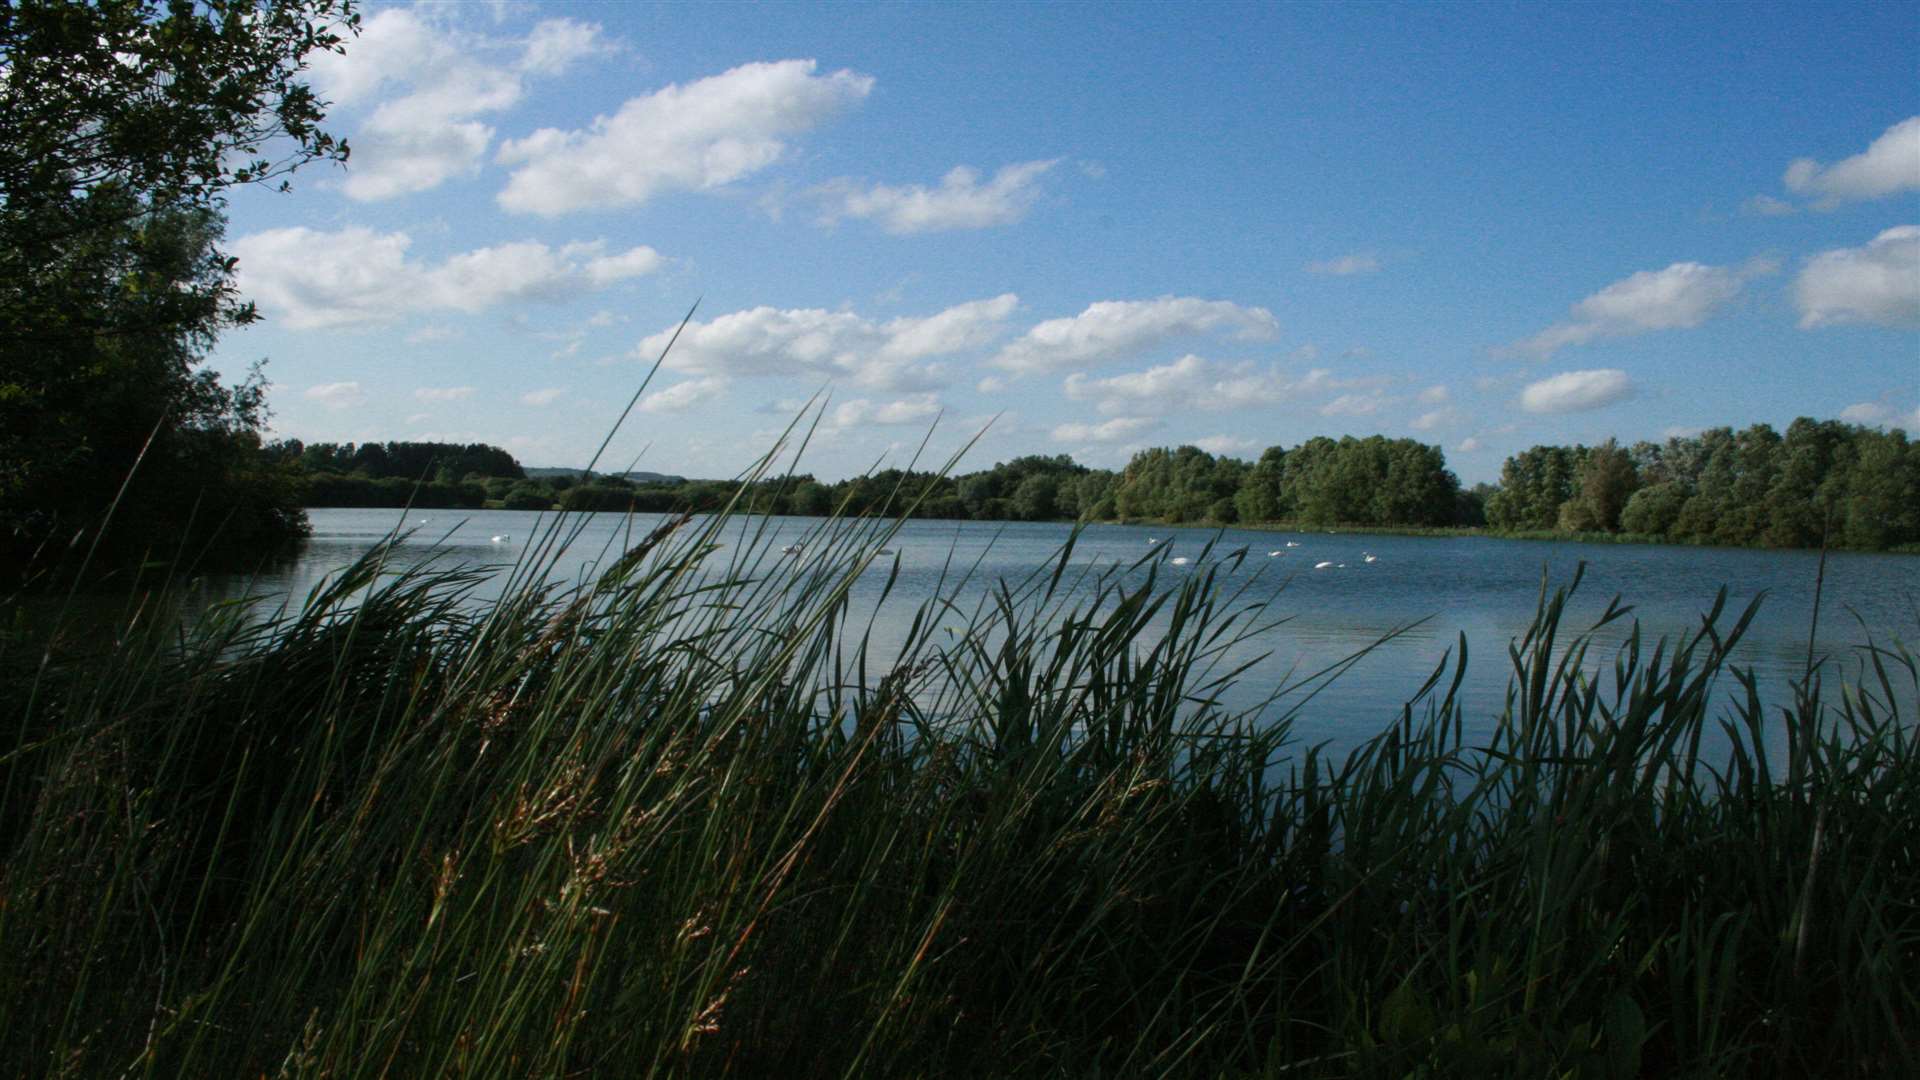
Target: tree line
x: 1844, y: 484
x: 1848, y: 485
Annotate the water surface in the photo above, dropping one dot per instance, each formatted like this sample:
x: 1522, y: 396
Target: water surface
x: 1429, y: 589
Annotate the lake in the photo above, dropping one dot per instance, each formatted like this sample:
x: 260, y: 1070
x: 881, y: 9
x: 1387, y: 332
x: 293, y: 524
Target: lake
x: 1432, y: 588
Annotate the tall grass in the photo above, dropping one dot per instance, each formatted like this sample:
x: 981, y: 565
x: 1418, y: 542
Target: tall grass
x: 690, y: 819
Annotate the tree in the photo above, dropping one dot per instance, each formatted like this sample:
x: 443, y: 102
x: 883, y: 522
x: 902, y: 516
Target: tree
x: 122, y: 125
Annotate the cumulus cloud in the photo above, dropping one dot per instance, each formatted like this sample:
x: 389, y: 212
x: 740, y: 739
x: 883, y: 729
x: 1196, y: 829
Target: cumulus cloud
x: 1114, y: 329
x: 1877, y: 284
x: 1227, y: 444
x: 766, y: 341
x: 1114, y: 430
x: 1360, y: 262
x: 692, y: 137
x: 356, y: 277
x: 1192, y: 383
x: 1353, y: 405
x: 918, y: 409
x: 1438, y: 418
x: 1768, y: 206
x: 543, y: 397
x: 1880, y: 414
x: 1680, y: 297
x: 960, y: 202
x: 1435, y: 395
x: 446, y: 78
x: 682, y: 396
x: 992, y: 384
x: 1576, y: 391
x: 336, y: 395
x: 1889, y: 166
x: 1468, y: 445
x: 444, y: 393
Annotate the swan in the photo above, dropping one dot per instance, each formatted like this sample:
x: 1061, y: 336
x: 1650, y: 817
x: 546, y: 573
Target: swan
x: 1293, y: 543
x: 1271, y: 554
x: 1181, y: 561
x: 503, y: 538
x: 1323, y: 565
x: 1151, y: 540
x: 791, y: 549
x: 1370, y: 558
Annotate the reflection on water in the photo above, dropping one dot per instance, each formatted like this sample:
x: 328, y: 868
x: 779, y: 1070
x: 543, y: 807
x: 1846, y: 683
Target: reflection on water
x: 1430, y: 590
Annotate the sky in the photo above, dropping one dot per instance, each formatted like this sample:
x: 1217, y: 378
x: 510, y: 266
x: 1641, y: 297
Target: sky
x: 1092, y: 229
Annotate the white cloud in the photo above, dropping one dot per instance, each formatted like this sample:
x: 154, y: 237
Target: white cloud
x: 1682, y: 296
x: 960, y: 202
x: 695, y: 137
x: 1470, y: 444
x: 992, y: 384
x: 556, y: 43
x: 543, y: 397
x: 419, y: 418
x: 1880, y: 414
x: 1353, y: 405
x: 682, y: 396
x: 963, y: 326
x: 1114, y: 329
x: 1438, y: 418
x: 429, y: 334
x: 1227, y: 444
x: 443, y: 393
x: 1192, y: 383
x: 337, y: 395
x: 1114, y: 430
x: 766, y: 341
x: 918, y: 409
x: 355, y: 276
x: 1435, y: 395
x: 1576, y: 391
x: 1768, y: 206
x: 1878, y: 283
x: 1360, y: 262
x: 1887, y: 167
x: 429, y: 134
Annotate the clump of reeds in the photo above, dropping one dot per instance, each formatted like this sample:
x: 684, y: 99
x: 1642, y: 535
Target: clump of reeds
x: 687, y: 820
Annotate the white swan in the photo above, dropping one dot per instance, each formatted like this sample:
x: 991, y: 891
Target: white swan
x: 503, y: 538
x: 1151, y: 540
x: 1181, y: 561
x: 1293, y: 543
x: 1271, y: 554
x: 791, y: 549
x: 1370, y: 558
x: 1323, y: 565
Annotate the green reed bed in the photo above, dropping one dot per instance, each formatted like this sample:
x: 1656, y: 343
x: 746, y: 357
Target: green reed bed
x: 689, y: 820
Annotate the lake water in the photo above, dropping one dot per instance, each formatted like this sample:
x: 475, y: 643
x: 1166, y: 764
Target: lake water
x: 1484, y: 588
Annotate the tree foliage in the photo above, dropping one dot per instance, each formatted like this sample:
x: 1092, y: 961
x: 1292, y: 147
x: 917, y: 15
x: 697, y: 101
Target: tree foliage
x: 1848, y: 485
x: 123, y: 123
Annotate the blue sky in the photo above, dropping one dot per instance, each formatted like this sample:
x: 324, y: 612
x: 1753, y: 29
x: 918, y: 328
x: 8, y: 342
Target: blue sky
x: 1111, y: 227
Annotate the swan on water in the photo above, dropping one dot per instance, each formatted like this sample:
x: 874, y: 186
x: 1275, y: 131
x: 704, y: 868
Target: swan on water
x: 1271, y: 554
x: 1293, y: 543
x: 1323, y: 565
x: 1181, y: 561
x: 503, y: 538
x: 791, y: 549
x: 1151, y: 540
x: 1370, y: 558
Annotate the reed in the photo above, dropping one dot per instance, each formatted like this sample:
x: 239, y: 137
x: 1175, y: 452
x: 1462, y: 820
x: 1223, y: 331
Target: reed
x: 690, y: 820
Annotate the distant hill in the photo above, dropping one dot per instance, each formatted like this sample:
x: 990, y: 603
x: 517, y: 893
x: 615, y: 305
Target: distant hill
x: 638, y: 477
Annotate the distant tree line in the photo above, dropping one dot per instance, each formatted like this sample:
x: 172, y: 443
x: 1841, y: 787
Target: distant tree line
x: 1371, y: 481
x: 1857, y: 487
